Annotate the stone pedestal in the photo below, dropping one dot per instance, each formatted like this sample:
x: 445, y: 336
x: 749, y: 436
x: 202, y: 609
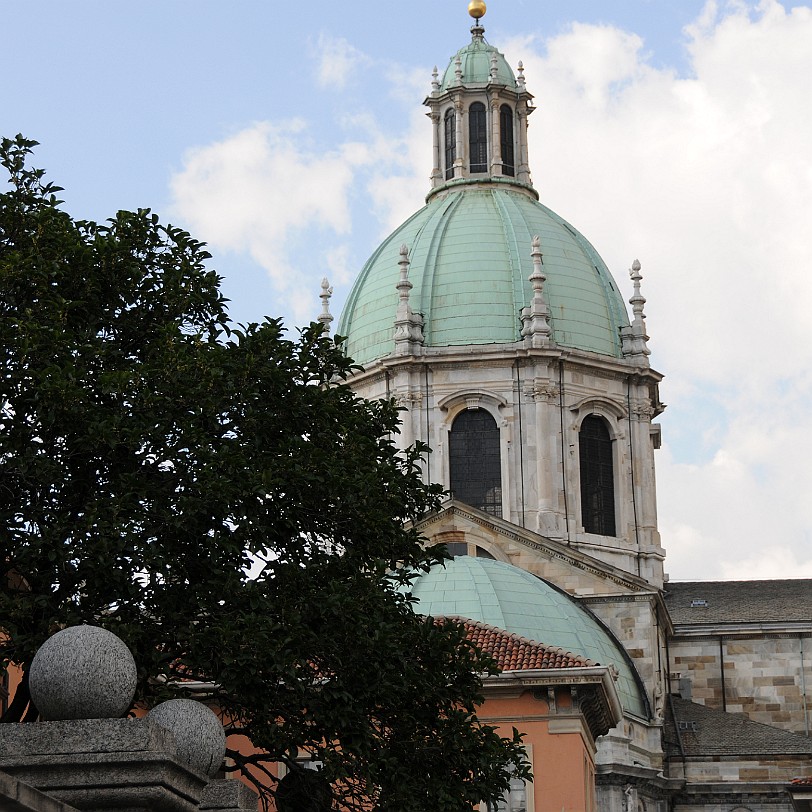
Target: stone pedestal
x: 228, y: 796
x: 98, y: 765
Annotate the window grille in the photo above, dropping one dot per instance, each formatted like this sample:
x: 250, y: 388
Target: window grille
x: 474, y: 461
x: 506, y: 135
x: 450, y: 143
x: 597, y: 477
x: 477, y: 138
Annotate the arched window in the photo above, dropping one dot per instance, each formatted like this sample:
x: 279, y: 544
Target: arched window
x: 477, y: 138
x: 597, y: 477
x: 450, y: 132
x: 506, y: 135
x: 474, y: 462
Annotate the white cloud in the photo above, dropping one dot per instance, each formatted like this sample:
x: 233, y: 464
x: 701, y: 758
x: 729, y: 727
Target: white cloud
x: 336, y: 61
x: 708, y: 179
x: 263, y: 190
x: 394, y: 189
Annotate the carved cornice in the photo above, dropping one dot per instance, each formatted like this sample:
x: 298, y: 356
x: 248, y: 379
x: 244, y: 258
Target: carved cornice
x: 543, y: 391
x: 592, y: 692
x: 743, y: 631
x: 409, y: 399
x: 505, y: 355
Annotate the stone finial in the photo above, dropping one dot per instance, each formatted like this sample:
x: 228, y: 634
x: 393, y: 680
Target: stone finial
x: 538, y: 277
x: 536, y: 328
x: 494, y: 68
x: 520, y: 78
x: 199, y: 734
x: 408, y: 325
x: 83, y: 672
x: 458, y: 69
x: 325, y: 317
x: 404, y: 285
x: 637, y: 301
x: 634, y: 337
x: 435, y: 80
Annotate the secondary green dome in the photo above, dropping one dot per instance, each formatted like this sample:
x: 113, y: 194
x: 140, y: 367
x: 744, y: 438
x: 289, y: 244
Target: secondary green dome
x: 475, y: 63
x: 469, y: 249
x: 512, y: 599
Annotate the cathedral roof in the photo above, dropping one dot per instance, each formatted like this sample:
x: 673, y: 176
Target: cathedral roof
x: 506, y: 597
x: 712, y: 602
x: 470, y: 263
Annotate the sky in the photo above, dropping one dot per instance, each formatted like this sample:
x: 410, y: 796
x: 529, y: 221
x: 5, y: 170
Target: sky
x: 292, y: 138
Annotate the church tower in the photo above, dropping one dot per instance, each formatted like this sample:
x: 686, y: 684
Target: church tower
x: 500, y: 329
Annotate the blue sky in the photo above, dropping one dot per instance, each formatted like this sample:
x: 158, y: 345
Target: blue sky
x: 291, y: 137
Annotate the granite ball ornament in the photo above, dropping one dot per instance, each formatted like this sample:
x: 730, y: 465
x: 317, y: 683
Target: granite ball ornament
x: 82, y: 672
x: 198, y: 733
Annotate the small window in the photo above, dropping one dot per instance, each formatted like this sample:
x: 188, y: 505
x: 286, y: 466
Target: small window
x: 450, y: 132
x: 506, y: 135
x: 514, y: 800
x: 597, y: 477
x: 477, y: 138
x: 458, y: 548
x: 474, y: 461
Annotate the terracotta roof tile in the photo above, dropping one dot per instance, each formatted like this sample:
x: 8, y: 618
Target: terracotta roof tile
x: 515, y: 653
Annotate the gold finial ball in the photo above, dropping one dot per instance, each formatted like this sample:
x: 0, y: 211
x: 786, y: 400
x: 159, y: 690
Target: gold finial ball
x: 477, y: 9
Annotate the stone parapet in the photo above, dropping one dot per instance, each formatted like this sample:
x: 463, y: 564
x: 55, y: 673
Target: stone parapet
x: 100, y: 764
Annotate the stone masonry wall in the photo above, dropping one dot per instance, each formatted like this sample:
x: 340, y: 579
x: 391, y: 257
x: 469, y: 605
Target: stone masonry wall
x: 763, y: 676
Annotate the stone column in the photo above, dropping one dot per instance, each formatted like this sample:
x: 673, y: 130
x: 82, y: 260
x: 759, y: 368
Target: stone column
x: 436, y: 171
x: 462, y: 147
x: 523, y: 168
x: 496, y: 152
x: 545, y: 394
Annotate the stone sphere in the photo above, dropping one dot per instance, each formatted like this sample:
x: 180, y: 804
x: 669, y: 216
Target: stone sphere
x: 199, y: 734
x: 83, y: 672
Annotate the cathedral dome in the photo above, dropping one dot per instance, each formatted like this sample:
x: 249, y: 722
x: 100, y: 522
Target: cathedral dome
x: 469, y: 250
x: 512, y: 599
x: 475, y: 63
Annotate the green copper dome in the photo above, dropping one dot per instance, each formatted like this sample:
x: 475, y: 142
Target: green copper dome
x: 512, y: 599
x: 475, y: 63
x: 469, y: 250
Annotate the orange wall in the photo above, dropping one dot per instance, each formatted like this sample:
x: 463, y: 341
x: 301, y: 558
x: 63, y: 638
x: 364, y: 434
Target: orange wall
x: 563, y: 763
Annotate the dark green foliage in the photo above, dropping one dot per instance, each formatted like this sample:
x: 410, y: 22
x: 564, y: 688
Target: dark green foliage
x: 220, y: 500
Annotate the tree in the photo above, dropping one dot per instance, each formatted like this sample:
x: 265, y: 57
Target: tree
x: 221, y: 500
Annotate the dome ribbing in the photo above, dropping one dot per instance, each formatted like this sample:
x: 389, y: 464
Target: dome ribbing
x: 469, y: 249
